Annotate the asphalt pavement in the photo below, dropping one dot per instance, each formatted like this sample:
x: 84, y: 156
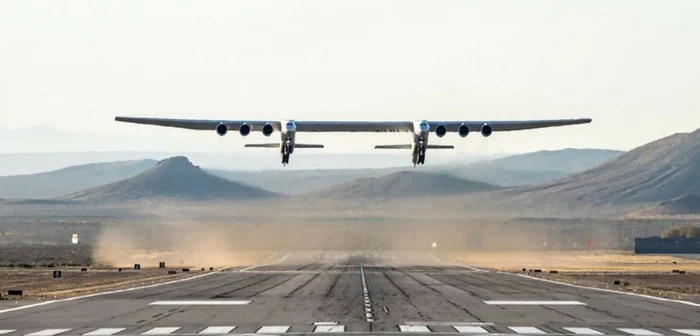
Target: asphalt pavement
x: 356, y: 292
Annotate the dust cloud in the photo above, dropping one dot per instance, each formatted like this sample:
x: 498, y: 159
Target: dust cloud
x: 258, y: 239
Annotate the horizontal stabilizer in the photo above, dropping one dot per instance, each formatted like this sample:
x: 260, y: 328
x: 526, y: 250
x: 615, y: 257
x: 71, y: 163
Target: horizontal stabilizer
x: 267, y: 145
x: 298, y: 145
x: 409, y: 147
x: 392, y: 147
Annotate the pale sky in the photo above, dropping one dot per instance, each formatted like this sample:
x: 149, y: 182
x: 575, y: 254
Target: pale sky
x: 632, y: 66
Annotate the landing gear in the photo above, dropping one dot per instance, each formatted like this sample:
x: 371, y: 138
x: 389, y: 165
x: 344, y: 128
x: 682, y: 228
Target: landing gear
x: 286, y: 151
x: 419, y: 156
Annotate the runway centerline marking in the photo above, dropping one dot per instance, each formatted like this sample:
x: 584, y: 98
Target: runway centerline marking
x: 275, y: 263
x: 535, y: 303
x: 201, y: 303
x: 368, y: 306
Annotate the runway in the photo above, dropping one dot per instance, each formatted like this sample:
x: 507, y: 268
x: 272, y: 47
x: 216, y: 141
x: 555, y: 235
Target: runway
x: 356, y: 292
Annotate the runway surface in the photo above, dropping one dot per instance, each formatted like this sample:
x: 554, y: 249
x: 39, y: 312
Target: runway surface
x: 357, y: 292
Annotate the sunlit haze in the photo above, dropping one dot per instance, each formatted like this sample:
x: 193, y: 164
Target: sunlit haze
x: 632, y: 66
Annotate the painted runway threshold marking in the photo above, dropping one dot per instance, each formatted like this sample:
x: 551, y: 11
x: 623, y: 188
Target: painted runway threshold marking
x: 216, y: 330
x: 527, y: 330
x: 273, y: 330
x: 104, y: 332
x: 461, y: 329
x: 535, y: 303
x: 583, y: 331
x: 201, y: 303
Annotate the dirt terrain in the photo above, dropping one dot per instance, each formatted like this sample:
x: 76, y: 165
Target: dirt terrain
x: 39, y: 283
x: 643, y: 274
x: 578, y: 261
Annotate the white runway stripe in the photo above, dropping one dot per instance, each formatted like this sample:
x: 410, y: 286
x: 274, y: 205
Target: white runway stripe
x: 584, y: 331
x: 417, y: 328
x: 161, y: 331
x: 329, y: 328
x: 527, y: 330
x: 691, y: 332
x: 639, y: 331
x: 6, y: 331
x: 470, y: 329
x: 104, y: 331
x: 48, y: 332
x: 216, y: 330
x: 273, y: 329
x: 200, y: 303
x: 536, y: 303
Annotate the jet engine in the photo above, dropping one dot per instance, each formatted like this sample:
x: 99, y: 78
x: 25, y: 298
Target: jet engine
x: 486, y: 130
x: 221, y: 129
x: 463, y: 130
x: 440, y: 131
x: 267, y: 130
x: 244, y: 130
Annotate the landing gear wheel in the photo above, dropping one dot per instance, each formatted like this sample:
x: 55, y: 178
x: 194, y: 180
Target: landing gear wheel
x: 285, y: 159
x: 421, y: 159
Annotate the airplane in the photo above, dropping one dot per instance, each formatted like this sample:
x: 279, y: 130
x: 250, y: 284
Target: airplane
x: 288, y: 129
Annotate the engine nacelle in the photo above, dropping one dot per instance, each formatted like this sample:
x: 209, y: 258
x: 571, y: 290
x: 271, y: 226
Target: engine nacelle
x: 463, y: 130
x: 486, y: 130
x: 267, y: 130
x: 244, y: 130
x: 221, y: 129
x: 440, y: 131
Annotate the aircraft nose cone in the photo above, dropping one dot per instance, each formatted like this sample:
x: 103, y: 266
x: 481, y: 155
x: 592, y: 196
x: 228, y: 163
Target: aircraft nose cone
x: 291, y: 127
x: 424, y: 127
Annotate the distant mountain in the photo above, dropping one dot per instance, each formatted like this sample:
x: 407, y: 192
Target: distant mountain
x: 72, y: 179
x: 296, y: 182
x: 175, y: 178
x: 403, y: 184
x: 571, y: 160
x: 684, y: 205
x: 656, y: 172
x: 532, y: 168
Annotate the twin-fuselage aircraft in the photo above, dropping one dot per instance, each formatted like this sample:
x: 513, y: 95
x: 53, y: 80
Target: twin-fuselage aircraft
x: 419, y: 129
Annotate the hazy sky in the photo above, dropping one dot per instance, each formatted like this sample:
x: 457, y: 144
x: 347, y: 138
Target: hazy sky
x: 73, y: 65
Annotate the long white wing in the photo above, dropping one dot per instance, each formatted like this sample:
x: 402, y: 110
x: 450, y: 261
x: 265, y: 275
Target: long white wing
x: 198, y: 124
x: 354, y: 126
x: 504, y: 126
